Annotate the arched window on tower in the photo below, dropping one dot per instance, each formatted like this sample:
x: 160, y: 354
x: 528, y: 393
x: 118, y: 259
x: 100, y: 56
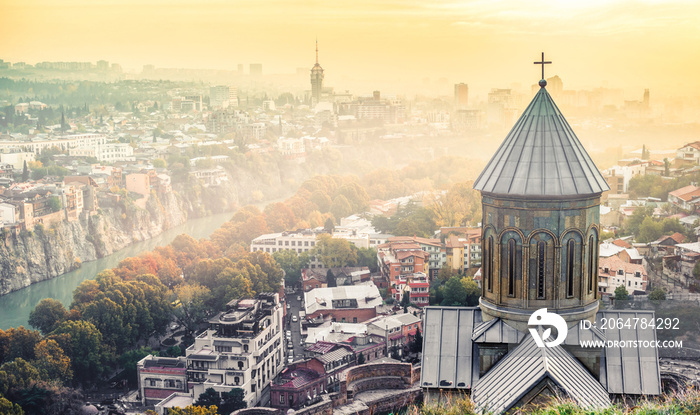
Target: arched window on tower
x: 571, y: 245
x: 541, y: 264
x: 592, y: 253
x: 511, y: 267
x: 488, y: 263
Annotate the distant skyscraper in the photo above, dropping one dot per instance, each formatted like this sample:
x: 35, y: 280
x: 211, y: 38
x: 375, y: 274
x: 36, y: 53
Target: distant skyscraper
x: 461, y: 95
x: 316, y: 80
x: 256, y: 69
x: 220, y: 96
x: 645, y: 102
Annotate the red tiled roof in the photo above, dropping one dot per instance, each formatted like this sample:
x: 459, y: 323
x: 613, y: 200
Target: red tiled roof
x: 678, y: 237
x: 621, y: 243
x: 686, y: 193
x: 615, y: 263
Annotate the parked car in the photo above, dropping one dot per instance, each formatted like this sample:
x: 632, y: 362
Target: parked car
x: 295, y: 319
x: 289, y: 335
x: 290, y: 345
x: 289, y: 306
x: 290, y: 358
x: 298, y: 298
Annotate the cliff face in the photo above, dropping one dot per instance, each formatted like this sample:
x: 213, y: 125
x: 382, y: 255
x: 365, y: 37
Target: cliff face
x: 49, y: 252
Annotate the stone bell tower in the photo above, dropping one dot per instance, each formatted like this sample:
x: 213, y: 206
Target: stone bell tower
x: 540, y: 200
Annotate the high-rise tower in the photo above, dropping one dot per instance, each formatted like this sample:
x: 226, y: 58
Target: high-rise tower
x: 316, y: 80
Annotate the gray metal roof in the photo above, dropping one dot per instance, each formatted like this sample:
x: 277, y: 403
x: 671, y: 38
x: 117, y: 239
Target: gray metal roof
x: 541, y: 156
x: 576, y: 335
x: 496, y: 331
x: 634, y: 369
x: 450, y: 358
x: 527, y: 365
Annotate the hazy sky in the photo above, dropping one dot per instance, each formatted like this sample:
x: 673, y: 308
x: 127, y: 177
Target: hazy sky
x: 628, y: 43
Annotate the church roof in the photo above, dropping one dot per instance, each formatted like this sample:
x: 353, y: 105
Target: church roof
x: 630, y: 368
x: 496, y: 331
x: 541, y: 156
x: 450, y: 358
x: 527, y: 365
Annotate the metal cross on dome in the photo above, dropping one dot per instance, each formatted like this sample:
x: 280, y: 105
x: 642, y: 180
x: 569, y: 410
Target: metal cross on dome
x: 543, y: 62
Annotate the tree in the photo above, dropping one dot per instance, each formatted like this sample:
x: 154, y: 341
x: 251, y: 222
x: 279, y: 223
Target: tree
x: 25, y: 172
x: 232, y: 400
x: 696, y: 270
x: 9, y: 408
x: 51, y: 362
x: 473, y: 291
x: 341, y: 207
x: 446, y: 273
x: 667, y: 168
x: 361, y: 359
x: 130, y: 358
x: 18, y: 374
x: 650, y: 230
x: 455, y: 293
x: 55, y: 204
x: 334, y: 252
x: 193, y: 305
x: 193, y: 410
x: 83, y: 344
x: 406, y: 299
x: 657, y: 294
x: 159, y: 163
x: 64, y: 126
x: 18, y: 342
x: 292, y: 263
x: 367, y: 257
x: 210, y: 397
x: 621, y: 293
x: 47, y: 315
x: 417, y: 343
x: 328, y: 226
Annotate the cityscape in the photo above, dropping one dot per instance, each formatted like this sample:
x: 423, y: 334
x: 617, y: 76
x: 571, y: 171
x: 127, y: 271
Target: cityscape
x: 349, y: 210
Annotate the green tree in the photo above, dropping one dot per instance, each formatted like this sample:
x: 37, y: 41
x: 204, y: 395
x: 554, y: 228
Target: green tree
x: 292, y: 263
x: 328, y: 226
x: 657, y: 294
x: 455, y: 293
x: 417, y: 342
x: 361, y: 359
x: 83, y: 344
x: 25, y: 172
x: 650, y: 230
x: 621, y: 293
x: 210, y: 397
x: 9, y: 408
x: 130, y: 358
x: 667, y: 168
x: 193, y: 410
x: 55, y: 204
x: 696, y: 270
x: 473, y: 291
x: 193, y: 305
x: 47, y: 315
x: 232, y: 400
x: 17, y: 374
x: 334, y: 252
x: 367, y: 257
x: 159, y: 163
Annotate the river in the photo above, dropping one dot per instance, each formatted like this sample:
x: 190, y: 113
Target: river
x: 16, y: 306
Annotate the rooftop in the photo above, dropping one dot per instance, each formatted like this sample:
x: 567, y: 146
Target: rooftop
x: 541, y: 156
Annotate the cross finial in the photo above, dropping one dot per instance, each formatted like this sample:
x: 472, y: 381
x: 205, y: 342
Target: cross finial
x: 542, y: 62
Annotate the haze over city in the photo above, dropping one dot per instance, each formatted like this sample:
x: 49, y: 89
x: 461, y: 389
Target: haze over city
x: 628, y: 44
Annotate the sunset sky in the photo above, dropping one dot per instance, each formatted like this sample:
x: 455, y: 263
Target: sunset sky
x: 624, y: 43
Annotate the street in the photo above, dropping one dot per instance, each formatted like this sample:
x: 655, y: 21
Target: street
x: 295, y: 328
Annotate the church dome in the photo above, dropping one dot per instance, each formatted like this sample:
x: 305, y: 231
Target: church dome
x: 541, y: 156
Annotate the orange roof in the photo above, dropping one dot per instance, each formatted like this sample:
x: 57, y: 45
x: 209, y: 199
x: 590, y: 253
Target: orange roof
x: 695, y: 145
x: 686, y: 193
x: 621, y: 243
x: 678, y: 237
x: 615, y: 263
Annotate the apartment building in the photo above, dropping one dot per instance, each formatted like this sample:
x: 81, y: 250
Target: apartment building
x: 242, y: 348
x: 302, y: 241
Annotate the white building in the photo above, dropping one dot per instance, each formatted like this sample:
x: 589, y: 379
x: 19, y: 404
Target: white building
x: 16, y: 159
x: 37, y: 146
x: 243, y: 348
x: 8, y: 213
x: 300, y: 242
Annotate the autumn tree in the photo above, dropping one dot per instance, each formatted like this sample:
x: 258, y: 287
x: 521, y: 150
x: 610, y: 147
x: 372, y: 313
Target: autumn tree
x: 51, y: 362
x: 47, y: 315
x: 341, y: 207
x: 18, y: 343
x: 17, y: 374
x: 279, y: 217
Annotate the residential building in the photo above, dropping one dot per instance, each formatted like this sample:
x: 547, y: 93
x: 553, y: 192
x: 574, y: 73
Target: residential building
x: 400, y: 260
x: 613, y: 272
x: 689, y: 153
x: 398, y: 329
x: 301, y: 241
x: 318, y: 277
x: 242, y: 348
x: 686, y: 198
x: 352, y: 303
x: 160, y: 377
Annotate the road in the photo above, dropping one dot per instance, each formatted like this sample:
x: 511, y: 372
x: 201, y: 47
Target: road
x: 295, y: 328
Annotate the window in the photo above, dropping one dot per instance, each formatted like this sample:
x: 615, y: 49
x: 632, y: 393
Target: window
x: 281, y: 397
x: 511, y: 267
x: 591, y: 262
x: 571, y: 245
x: 541, y: 252
x: 488, y: 263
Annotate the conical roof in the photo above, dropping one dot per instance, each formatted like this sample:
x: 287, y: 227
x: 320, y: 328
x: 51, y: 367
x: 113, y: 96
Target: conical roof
x: 541, y: 156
